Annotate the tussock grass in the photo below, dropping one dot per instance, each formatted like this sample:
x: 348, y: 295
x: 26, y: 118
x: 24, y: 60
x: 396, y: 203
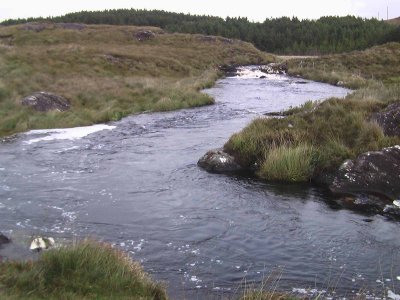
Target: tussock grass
x: 264, y: 295
x: 317, y: 137
x: 267, y: 289
x: 107, y: 73
x: 87, y: 270
x: 284, y: 163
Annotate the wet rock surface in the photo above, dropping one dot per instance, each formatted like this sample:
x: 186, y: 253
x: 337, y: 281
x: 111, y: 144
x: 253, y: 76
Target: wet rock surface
x: 229, y: 70
x: 275, y: 68
x: 389, y: 119
x: 218, y: 161
x: 375, y: 172
x: 44, y: 101
x: 4, y: 240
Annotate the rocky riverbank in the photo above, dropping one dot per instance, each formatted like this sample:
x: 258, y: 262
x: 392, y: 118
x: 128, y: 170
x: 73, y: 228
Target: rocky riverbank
x: 350, y: 146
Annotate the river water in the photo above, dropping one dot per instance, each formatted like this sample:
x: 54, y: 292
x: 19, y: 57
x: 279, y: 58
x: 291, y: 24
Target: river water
x: 135, y: 184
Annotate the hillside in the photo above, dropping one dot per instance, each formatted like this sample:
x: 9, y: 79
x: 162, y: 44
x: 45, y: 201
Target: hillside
x: 395, y: 21
x: 355, y: 69
x: 281, y: 35
x: 107, y: 72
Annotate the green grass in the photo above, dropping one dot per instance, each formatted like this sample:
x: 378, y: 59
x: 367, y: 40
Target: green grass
x: 87, y: 270
x: 107, y: 74
x: 315, y: 138
x: 286, y: 162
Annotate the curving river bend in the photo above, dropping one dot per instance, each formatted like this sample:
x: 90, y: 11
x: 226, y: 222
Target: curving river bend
x: 136, y: 184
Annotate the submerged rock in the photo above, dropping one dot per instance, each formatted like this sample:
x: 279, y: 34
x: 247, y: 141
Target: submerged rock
x: 218, y: 161
x: 44, y: 101
x: 375, y: 172
x: 389, y: 119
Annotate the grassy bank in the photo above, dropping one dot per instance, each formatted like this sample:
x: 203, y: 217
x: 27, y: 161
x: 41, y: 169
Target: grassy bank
x: 316, y: 138
x: 355, y: 69
x: 107, y: 73
x: 87, y: 270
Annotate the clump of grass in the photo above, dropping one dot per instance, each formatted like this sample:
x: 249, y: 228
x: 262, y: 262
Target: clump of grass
x: 288, y: 163
x: 267, y: 289
x: 87, y: 270
x: 263, y: 295
x: 308, y: 106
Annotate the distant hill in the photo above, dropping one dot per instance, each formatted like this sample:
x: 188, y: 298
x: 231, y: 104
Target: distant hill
x: 281, y: 35
x: 395, y: 21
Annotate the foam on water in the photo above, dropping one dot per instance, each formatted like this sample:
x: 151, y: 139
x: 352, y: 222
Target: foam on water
x: 66, y: 133
x: 392, y: 295
x: 249, y: 72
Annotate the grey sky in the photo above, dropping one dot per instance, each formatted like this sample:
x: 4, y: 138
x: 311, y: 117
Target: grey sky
x: 256, y: 10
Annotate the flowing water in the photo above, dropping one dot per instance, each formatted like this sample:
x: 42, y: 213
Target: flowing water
x: 135, y: 184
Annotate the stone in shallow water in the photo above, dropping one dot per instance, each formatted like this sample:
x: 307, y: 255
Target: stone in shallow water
x: 218, y: 161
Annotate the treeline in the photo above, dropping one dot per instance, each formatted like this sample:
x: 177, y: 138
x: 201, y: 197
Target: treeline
x: 281, y: 35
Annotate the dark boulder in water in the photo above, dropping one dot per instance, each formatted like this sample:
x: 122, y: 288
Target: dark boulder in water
x: 218, y: 161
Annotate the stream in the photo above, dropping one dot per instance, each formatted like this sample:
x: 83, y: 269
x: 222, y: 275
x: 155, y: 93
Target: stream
x: 135, y: 183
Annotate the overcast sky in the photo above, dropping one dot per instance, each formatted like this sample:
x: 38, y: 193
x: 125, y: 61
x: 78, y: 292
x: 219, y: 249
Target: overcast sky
x: 256, y: 10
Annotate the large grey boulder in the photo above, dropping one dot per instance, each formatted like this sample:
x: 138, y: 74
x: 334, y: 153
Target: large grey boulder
x: 144, y: 35
x: 218, y: 161
x: 44, y: 101
x: 375, y: 172
x: 389, y: 119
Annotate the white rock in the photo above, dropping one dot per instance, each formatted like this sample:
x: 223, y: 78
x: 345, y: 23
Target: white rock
x: 41, y: 243
x: 396, y: 203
